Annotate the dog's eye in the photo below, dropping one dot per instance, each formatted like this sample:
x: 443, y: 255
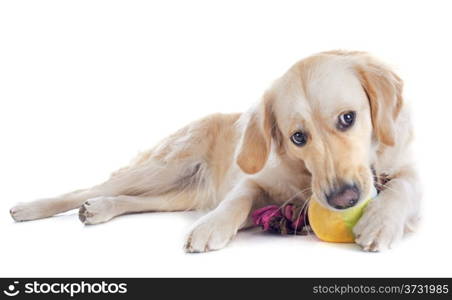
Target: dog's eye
x: 346, y: 120
x: 299, y: 138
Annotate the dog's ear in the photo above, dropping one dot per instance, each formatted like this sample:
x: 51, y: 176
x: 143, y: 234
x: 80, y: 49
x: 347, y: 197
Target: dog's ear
x: 384, y: 91
x: 255, y: 144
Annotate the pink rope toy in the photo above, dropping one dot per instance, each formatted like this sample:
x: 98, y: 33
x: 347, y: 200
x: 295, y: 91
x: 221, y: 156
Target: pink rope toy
x: 288, y: 219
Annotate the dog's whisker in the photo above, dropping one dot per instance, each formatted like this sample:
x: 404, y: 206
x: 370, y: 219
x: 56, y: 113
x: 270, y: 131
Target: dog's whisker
x: 303, y: 207
x: 385, y: 186
x: 294, y: 196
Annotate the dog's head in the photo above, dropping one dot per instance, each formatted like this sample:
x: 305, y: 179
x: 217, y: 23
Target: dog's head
x: 330, y: 111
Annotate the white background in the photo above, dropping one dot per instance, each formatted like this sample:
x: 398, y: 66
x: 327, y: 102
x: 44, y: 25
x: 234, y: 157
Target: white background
x: 85, y: 85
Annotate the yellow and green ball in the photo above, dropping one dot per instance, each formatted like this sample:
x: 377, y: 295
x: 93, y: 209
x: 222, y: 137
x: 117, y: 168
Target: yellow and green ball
x: 334, y: 226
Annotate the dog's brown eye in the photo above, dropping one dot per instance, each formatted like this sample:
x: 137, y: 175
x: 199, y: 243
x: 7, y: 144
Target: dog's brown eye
x: 346, y: 120
x: 299, y: 138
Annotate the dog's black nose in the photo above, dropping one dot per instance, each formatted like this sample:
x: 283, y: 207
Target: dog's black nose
x: 344, y: 197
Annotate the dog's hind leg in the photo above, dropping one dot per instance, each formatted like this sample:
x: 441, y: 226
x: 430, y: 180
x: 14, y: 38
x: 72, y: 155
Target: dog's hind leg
x: 104, y: 208
x: 152, y: 179
x: 179, y: 164
x: 48, y: 207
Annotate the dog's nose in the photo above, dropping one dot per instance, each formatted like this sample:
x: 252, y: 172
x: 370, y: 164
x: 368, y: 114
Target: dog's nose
x: 344, y: 197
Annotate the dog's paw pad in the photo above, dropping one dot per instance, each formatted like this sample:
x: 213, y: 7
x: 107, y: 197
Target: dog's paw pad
x: 96, y: 210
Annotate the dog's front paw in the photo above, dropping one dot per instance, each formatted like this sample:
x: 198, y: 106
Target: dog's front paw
x: 210, y: 233
x: 97, y: 210
x: 378, y: 228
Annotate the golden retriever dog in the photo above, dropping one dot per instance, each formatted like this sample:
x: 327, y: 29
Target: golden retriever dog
x: 333, y: 126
